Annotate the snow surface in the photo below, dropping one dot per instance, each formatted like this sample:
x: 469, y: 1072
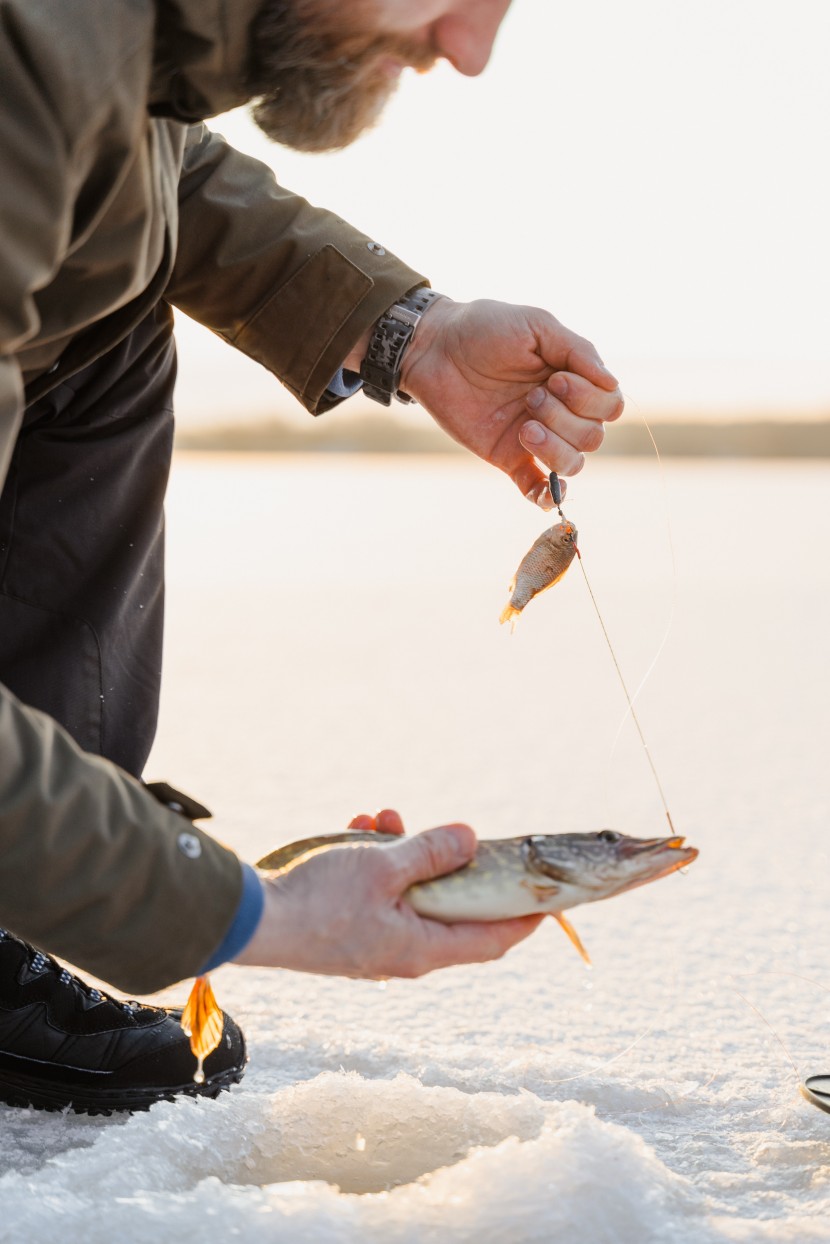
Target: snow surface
x: 333, y: 647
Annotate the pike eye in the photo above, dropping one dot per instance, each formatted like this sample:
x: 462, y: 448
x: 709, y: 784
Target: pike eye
x: 608, y: 835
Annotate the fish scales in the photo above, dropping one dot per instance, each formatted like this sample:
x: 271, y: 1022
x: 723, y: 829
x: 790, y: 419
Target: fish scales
x: 542, y: 566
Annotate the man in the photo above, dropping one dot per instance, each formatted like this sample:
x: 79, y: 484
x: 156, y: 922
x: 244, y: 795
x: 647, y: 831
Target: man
x: 116, y: 202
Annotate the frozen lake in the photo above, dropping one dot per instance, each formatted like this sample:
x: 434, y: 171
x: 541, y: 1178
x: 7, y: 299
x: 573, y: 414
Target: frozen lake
x: 334, y: 647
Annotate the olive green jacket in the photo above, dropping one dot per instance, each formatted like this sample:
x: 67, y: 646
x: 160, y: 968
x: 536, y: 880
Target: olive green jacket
x: 113, y: 195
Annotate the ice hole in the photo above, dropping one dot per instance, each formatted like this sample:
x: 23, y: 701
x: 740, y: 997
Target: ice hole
x: 372, y: 1135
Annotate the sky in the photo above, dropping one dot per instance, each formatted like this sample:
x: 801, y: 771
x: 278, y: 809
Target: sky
x: 654, y: 173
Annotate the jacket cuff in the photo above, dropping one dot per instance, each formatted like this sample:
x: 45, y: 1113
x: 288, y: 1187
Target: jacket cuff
x: 244, y: 924
x: 339, y: 294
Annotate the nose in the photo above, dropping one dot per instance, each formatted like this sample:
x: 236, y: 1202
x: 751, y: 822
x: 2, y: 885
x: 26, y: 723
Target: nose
x: 465, y: 36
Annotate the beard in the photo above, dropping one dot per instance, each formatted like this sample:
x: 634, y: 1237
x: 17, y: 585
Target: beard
x: 323, y: 77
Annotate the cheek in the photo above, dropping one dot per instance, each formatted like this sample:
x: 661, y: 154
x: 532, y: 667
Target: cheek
x: 408, y: 16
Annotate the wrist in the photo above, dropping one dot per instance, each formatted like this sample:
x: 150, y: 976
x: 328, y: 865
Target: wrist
x: 432, y: 323
x: 354, y: 359
x: 271, y: 943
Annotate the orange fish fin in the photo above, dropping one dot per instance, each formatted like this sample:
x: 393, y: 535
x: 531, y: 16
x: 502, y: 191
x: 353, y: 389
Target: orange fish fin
x: 509, y: 614
x: 204, y: 1023
x: 573, y: 936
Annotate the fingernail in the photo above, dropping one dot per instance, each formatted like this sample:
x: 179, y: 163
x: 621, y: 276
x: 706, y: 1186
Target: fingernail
x: 535, y: 398
x: 558, y: 385
x: 534, y: 433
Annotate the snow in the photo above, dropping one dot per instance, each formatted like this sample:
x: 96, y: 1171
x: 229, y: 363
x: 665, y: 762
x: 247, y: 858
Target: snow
x: 334, y: 647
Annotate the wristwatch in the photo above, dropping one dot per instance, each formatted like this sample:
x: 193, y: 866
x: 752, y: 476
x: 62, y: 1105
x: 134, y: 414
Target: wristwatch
x: 380, y: 370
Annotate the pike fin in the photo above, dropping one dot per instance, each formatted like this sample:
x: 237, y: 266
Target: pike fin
x: 292, y: 851
x: 572, y: 935
x: 204, y: 1023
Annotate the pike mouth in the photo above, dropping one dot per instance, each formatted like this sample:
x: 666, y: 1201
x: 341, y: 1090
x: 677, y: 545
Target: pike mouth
x: 677, y: 856
x: 653, y: 846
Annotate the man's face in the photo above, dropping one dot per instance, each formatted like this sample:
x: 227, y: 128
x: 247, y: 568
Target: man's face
x: 324, y: 69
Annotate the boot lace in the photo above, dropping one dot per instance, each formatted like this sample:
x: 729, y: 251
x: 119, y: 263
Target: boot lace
x: 39, y: 963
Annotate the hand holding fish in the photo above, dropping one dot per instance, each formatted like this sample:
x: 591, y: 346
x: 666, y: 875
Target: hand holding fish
x: 513, y: 385
x: 341, y: 912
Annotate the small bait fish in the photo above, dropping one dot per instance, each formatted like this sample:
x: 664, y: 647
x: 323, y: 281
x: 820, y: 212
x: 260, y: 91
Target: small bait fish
x: 542, y: 566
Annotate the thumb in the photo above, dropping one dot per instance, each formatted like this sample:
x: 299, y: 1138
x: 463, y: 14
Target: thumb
x: 431, y: 854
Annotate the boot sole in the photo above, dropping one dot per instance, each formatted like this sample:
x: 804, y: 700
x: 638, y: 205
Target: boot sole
x: 30, y: 1091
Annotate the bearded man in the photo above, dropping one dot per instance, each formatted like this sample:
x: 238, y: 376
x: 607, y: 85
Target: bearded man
x: 116, y: 204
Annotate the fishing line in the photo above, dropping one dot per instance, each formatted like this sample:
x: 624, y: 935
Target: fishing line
x: 771, y: 972
x: 615, y: 1058
x: 673, y: 608
x: 556, y: 494
x: 630, y: 713
x: 763, y: 1017
x: 638, y: 1040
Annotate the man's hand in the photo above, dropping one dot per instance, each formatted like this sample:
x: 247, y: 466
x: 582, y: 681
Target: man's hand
x: 512, y: 385
x: 342, y: 912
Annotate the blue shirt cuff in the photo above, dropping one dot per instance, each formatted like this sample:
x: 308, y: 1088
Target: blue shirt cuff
x: 344, y: 383
x: 244, y: 923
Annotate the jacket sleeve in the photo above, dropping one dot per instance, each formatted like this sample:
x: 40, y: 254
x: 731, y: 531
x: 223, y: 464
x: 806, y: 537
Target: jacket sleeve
x: 291, y: 285
x: 95, y: 870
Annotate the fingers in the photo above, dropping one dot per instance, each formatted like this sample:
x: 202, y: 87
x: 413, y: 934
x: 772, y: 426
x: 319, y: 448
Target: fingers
x: 549, y: 446
x: 386, y: 821
x: 567, y: 417
x: 534, y: 485
x: 583, y: 398
x: 428, y: 855
x: 468, y: 942
x: 362, y: 821
x: 389, y: 822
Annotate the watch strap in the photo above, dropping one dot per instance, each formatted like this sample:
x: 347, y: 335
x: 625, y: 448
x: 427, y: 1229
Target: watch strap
x: 380, y: 370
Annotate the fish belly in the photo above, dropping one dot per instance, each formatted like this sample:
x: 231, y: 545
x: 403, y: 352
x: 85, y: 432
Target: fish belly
x: 455, y: 898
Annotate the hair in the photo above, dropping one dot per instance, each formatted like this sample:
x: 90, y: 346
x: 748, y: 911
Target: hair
x: 320, y: 77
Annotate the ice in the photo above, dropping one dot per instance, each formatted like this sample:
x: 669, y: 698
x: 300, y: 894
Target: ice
x: 329, y: 658
x: 438, y: 1165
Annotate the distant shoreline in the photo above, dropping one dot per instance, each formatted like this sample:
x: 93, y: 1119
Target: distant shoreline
x: 682, y: 438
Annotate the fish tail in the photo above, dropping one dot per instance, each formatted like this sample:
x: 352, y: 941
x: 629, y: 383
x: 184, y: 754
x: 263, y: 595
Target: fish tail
x: 204, y: 1023
x: 509, y: 614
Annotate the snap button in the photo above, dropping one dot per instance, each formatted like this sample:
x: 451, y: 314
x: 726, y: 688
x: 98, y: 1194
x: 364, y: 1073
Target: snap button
x: 375, y: 248
x: 189, y: 845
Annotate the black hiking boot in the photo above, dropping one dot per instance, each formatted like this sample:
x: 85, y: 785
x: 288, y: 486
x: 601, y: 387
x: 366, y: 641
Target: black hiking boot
x: 63, y: 1043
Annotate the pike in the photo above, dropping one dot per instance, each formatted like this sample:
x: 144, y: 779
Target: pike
x: 508, y: 877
